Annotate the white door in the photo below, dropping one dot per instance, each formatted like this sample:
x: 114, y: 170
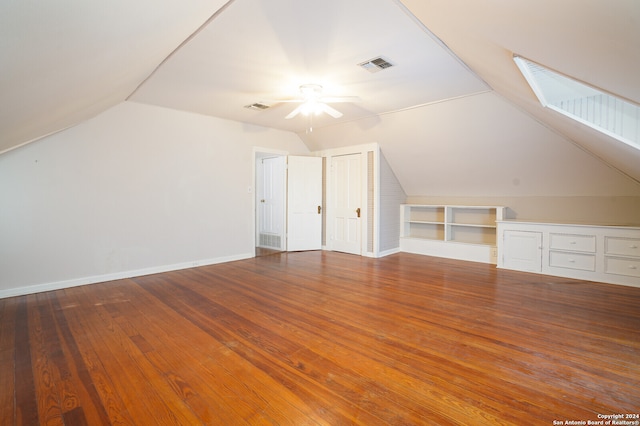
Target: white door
x: 523, y: 250
x: 271, y: 202
x: 346, y: 204
x: 304, y: 195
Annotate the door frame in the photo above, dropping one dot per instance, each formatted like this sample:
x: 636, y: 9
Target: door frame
x: 363, y: 149
x: 327, y: 154
x: 259, y: 153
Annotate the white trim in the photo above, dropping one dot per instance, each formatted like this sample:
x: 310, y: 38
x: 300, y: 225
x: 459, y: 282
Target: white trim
x: 361, y: 149
x: 377, y: 179
x: 254, y: 184
x: 57, y: 285
x: 389, y: 252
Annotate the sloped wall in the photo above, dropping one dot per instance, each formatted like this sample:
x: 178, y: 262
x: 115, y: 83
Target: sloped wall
x: 483, y: 149
x: 391, y: 196
x: 138, y: 189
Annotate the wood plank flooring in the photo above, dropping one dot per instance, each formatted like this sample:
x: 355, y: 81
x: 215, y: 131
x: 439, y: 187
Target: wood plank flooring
x: 322, y: 338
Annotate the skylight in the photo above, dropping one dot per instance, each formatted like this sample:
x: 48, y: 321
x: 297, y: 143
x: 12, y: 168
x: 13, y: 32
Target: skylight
x: 604, y: 112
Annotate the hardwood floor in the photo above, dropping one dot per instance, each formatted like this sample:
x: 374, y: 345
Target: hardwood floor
x: 322, y: 338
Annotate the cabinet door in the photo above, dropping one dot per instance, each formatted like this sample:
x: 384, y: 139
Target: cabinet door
x: 523, y: 250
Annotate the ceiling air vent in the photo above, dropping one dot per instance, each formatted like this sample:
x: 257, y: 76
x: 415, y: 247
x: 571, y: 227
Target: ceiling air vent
x: 258, y: 106
x: 376, y: 64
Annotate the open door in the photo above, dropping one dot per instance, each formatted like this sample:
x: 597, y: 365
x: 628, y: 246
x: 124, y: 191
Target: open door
x: 304, y: 210
x: 271, y: 202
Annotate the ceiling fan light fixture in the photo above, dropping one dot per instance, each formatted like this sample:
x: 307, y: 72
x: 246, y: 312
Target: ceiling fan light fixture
x: 313, y: 103
x: 312, y: 107
x: 310, y: 91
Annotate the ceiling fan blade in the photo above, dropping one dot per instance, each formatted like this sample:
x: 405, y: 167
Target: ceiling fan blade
x: 286, y: 101
x: 331, y: 111
x: 336, y: 99
x: 294, y: 112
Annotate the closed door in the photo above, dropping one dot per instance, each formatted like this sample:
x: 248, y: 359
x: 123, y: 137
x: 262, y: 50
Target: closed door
x: 304, y: 198
x: 346, y: 204
x: 523, y: 250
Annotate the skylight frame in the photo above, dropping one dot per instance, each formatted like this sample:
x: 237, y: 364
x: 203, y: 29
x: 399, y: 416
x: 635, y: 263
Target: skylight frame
x: 562, y: 93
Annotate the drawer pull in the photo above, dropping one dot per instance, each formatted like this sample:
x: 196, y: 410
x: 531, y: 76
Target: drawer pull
x: 633, y: 246
x: 572, y: 261
x: 572, y: 242
x: 632, y: 267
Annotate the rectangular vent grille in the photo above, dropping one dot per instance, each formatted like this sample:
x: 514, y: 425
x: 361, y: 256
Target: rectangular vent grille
x: 375, y: 64
x: 270, y: 241
x: 258, y: 106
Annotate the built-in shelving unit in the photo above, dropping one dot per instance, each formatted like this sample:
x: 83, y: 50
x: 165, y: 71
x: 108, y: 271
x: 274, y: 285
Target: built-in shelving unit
x: 457, y: 232
x: 609, y: 254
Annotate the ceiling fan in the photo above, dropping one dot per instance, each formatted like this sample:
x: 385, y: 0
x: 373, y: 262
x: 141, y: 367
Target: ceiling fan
x: 312, y: 102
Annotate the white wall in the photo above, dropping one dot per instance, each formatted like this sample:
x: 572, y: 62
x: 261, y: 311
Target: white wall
x: 137, y: 189
x: 391, y: 196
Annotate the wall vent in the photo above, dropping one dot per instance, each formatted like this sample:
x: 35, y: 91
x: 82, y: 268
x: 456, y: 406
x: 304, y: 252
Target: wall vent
x: 375, y: 64
x: 270, y: 241
x: 258, y: 106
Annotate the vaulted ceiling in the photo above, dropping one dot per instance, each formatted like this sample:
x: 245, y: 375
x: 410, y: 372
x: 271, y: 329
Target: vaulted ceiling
x: 64, y: 62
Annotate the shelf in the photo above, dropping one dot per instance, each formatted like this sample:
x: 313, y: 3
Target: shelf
x: 431, y: 231
x: 472, y: 235
x: 470, y: 225
x: 463, y: 232
x: 430, y: 214
x: 472, y: 215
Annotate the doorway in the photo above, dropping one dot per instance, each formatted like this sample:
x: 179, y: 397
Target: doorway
x: 288, y: 203
x: 270, y: 203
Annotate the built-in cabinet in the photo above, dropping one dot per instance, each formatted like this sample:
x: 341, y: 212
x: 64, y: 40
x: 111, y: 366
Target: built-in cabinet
x: 456, y: 232
x: 608, y: 254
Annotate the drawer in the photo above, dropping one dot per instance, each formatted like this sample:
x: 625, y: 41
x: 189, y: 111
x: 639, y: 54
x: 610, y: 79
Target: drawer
x: 621, y: 266
x: 622, y: 246
x: 583, y: 262
x: 573, y: 242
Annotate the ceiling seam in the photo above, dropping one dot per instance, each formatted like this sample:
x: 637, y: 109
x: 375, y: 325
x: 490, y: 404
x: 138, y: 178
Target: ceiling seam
x: 439, y: 101
x: 437, y: 39
x: 187, y: 40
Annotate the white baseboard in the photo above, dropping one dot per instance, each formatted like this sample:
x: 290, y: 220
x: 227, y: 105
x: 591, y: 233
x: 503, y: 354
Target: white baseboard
x: 450, y: 249
x: 389, y: 252
x: 57, y: 285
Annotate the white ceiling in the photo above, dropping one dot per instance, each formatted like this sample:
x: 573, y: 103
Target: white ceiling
x: 66, y: 61
x: 262, y: 51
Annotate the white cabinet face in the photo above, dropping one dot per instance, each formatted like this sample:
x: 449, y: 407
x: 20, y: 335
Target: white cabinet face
x: 523, y: 250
